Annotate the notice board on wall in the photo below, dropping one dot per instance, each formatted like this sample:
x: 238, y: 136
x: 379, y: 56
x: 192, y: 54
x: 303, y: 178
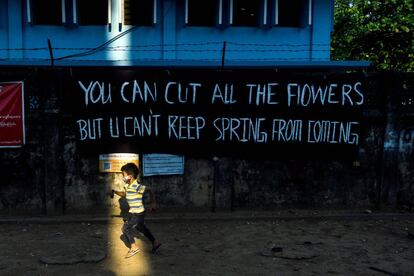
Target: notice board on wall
x: 12, y: 128
x: 162, y: 164
x: 112, y: 162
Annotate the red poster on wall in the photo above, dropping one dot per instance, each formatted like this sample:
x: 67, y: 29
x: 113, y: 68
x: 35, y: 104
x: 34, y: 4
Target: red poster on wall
x: 11, y: 115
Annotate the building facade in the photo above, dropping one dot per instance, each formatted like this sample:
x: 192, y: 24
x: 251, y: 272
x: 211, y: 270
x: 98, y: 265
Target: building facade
x: 159, y: 33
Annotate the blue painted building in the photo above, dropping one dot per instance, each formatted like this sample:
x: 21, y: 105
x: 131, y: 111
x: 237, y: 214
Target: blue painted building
x: 168, y: 33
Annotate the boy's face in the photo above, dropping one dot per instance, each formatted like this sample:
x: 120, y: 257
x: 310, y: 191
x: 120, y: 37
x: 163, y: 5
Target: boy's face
x: 126, y: 178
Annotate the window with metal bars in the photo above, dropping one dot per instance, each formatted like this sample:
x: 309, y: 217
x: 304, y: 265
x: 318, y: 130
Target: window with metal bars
x: 46, y: 12
x: 245, y: 12
x: 293, y: 13
x: 92, y: 12
x: 139, y: 12
x: 202, y: 13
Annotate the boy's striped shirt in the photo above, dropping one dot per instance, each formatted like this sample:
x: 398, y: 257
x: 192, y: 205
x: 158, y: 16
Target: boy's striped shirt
x: 134, y: 195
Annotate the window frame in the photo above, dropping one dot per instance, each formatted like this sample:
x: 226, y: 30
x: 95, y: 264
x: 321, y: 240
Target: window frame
x: 76, y: 14
x: 63, y: 3
x: 218, y: 20
x: 121, y: 13
x: 74, y: 10
x: 309, y: 13
x: 29, y: 11
x: 29, y: 14
x: 261, y: 16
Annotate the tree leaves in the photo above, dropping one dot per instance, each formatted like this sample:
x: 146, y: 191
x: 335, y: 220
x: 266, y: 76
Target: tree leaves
x: 379, y: 31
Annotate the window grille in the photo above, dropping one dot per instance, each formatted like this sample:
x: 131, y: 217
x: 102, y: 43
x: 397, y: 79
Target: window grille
x: 46, y: 12
x: 203, y: 13
x: 91, y: 12
x: 244, y: 12
x: 139, y: 12
x: 293, y: 13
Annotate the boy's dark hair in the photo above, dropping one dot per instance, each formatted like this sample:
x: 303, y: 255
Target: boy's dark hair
x: 130, y: 169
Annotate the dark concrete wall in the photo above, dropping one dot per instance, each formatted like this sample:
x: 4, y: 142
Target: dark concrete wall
x: 49, y: 176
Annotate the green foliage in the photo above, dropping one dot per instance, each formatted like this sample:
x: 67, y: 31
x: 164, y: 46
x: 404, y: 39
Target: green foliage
x: 379, y: 31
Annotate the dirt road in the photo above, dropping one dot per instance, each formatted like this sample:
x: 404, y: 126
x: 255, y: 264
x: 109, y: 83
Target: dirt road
x: 215, y: 247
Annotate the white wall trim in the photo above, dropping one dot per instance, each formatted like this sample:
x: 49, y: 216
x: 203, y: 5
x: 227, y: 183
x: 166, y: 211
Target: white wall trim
x: 186, y: 11
x: 121, y: 11
x: 220, y: 12
x: 276, y: 12
x: 75, y: 12
x: 154, y: 15
x: 310, y: 13
x: 63, y: 11
x: 231, y: 12
x: 109, y: 12
x: 29, y: 11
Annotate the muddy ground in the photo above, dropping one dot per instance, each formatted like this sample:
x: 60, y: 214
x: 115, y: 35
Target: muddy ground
x: 242, y: 246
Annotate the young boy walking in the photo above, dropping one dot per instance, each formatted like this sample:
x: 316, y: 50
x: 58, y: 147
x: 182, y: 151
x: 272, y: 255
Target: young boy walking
x: 134, y: 192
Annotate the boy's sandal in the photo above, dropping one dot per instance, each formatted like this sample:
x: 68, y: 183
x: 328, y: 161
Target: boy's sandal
x: 132, y: 253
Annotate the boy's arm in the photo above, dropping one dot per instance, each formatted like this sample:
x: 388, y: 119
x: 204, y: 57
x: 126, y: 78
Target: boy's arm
x: 119, y: 193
